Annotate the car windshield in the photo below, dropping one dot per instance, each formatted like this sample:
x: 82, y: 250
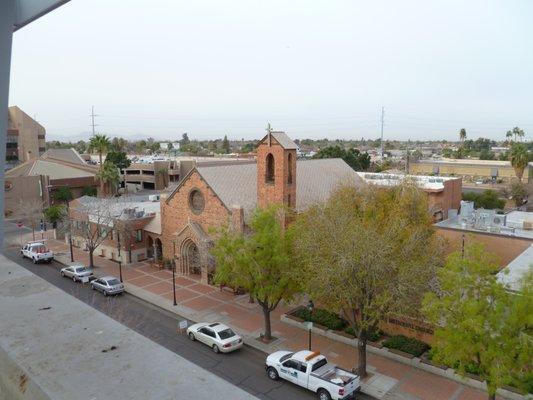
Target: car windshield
x: 226, y: 334
x: 286, y: 357
x: 81, y: 269
x: 113, y: 282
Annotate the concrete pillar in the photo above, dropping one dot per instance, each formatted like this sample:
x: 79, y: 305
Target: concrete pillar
x: 7, y: 18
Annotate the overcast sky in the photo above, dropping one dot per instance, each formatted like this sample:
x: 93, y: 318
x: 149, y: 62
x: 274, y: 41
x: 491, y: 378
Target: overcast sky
x: 312, y: 68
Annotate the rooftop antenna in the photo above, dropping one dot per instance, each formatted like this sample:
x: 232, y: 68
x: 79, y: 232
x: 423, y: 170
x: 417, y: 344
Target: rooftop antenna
x: 92, y: 118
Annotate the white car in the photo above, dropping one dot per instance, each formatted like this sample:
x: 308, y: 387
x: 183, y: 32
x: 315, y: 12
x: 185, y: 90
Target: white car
x: 312, y: 371
x: 37, y: 252
x: 77, y: 272
x: 216, y: 335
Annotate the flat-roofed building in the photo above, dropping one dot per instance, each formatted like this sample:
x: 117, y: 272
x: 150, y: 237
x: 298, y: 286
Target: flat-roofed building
x: 26, y: 138
x: 470, y: 170
x: 506, y: 235
x: 444, y: 193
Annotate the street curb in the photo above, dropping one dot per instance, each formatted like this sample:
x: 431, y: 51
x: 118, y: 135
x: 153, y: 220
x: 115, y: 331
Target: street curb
x: 415, y: 362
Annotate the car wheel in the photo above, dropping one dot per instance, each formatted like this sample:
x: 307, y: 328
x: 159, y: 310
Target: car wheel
x: 34, y: 260
x: 62, y: 274
x: 191, y: 336
x: 216, y: 349
x: 323, y: 394
x: 105, y: 292
x: 272, y: 373
x: 92, y: 287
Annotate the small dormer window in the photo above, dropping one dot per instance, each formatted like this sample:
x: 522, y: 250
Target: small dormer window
x: 269, y: 176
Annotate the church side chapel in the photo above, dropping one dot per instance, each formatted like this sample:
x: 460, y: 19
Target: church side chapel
x: 220, y: 195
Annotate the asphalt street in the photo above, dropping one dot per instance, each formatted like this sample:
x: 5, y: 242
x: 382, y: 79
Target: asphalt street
x: 243, y: 368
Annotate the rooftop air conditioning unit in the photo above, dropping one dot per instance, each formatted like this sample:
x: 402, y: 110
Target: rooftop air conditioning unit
x: 153, y: 197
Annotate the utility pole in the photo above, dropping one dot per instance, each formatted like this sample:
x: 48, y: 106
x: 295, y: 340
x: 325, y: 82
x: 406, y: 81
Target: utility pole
x: 382, y: 122
x: 96, y: 115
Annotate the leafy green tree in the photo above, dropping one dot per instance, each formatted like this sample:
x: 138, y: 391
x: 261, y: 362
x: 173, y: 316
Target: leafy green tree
x: 184, y: 139
x: 119, y: 158
x: 63, y: 193
x: 258, y: 262
x: 462, y: 134
x: 353, y: 157
x: 55, y: 214
x: 518, y: 155
x: 486, y: 155
x: 481, y: 327
x: 489, y: 199
x: 225, y: 145
x: 109, y: 177
x: 367, y: 253
x: 519, y: 192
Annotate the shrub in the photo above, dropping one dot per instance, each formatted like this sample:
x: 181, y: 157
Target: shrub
x: 322, y: 317
x: 406, y: 344
x: 89, y: 191
x: 373, y: 336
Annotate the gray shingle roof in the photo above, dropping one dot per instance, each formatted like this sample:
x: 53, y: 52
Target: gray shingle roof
x: 68, y: 155
x: 282, y: 138
x: 236, y: 185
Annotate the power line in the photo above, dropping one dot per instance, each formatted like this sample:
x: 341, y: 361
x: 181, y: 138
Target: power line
x: 92, y: 118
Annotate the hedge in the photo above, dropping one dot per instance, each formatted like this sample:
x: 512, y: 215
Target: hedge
x: 373, y: 336
x: 407, y: 345
x: 322, y: 317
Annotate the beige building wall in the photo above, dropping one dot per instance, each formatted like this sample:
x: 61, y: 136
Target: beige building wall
x: 24, y: 188
x: 31, y: 134
x: 465, y: 169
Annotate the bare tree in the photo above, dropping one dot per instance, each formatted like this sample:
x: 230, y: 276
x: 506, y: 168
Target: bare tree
x: 93, y: 220
x: 125, y: 228
x: 31, y: 212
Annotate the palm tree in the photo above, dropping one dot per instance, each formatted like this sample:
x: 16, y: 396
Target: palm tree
x: 518, y: 156
x: 108, y: 175
x: 516, y: 132
x: 509, y: 136
x: 462, y: 134
x: 101, y: 144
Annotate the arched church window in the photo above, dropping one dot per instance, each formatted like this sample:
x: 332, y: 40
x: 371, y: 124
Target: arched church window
x: 289, y: 174
x: 269, y: 177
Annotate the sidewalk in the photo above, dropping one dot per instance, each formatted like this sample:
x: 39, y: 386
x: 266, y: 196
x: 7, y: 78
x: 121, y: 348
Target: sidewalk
x: 388, y: 379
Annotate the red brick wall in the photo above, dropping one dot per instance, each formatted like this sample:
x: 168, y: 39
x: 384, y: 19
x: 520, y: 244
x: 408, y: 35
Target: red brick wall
x: 280, y: 191
x: 176, y: 213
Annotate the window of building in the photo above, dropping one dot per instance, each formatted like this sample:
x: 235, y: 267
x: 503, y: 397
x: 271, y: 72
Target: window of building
x: 289, y: 165
x: 103, y: 232
x: 196, y: 201
x: 139, y: 235
x: 269, y: 177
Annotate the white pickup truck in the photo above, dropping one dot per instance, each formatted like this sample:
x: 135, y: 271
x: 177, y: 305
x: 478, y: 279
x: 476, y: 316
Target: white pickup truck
x: 313, y: 372
x: 37, y: 252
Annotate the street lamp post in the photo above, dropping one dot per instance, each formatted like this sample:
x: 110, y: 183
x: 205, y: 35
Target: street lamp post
x: 174, y: 273
x: 119, y: 257
x: 70, y: 233
x: 310, y: 308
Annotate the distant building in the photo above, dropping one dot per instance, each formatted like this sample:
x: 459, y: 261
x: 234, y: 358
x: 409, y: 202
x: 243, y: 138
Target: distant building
x: 26, y: 138
x: 154, y: 175
x: 506, y: 235
x: 40, y: 178
x: 469, y: 169
x: 444, y: 193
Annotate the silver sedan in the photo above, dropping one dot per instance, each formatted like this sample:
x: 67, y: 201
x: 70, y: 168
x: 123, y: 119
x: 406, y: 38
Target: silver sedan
x: 108, y: 285
x: 77, y: 272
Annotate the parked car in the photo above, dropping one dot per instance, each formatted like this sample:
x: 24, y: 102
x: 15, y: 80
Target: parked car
x: 77, y: 272
x: 312, y: 371
x: 216, y: 335
x: 37, y: 252
x: 108, y: 285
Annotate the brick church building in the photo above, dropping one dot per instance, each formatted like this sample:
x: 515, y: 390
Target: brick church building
x: 217, y: 195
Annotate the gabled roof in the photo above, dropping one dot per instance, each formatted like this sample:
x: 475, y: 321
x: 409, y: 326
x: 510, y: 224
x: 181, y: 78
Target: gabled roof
x: 282, y: 138
x: 236, y: 185
x: 68, y: 155
x: 55, y: 169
